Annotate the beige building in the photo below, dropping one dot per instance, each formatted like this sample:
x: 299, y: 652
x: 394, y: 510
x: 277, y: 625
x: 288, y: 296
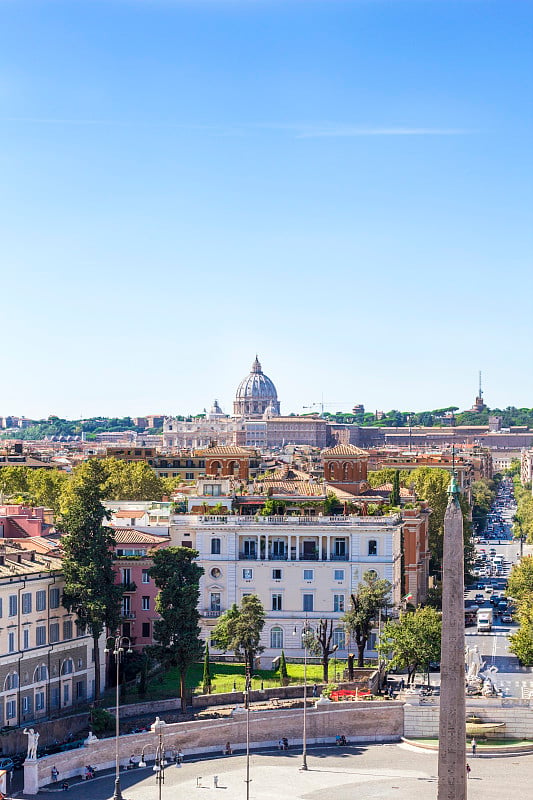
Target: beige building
x: 300, y: 567
x: 46, y: 660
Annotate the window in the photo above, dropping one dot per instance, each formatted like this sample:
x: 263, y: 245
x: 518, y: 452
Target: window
x: 54, y: 632
x: 66, y: 694
x: 80, y: 628
x: 11, y: 642
x: 247, y: 574
x: 146, y: 603
x: 39, y: 701
x: 212, y: 489
x: 126, y: 606
x: 338, y: 574
x: 67, y: 667
x: 54, y: 696
x: 308, y: 601
x: 276, y: 638
x: 372, y: 573
x: 215, y: 602
x: 215, y: 573
x: 11, y: 681
x: 54, y: 598
x: 338, y: 602
x: 126, y: 575
x: 26, y: 603
x: 80, y: 690
x: 339, y: 638
x: 26, y: 704
x: 40, y: 635
x: 276, y: 602
x: 250, y: 548
x: 40, y: 674
x: 309, y: 574
x: 13, y: 605
x: 340, y: 548
x: 372, y: 547
x: 372, y: 641
x: 67, y: 629
x: 11, y: 709
x: 146, y: 630
x: 215, y: 547
x: 1, y: 614
x: 40, y: 600
x: 26, y: 639
x: 146, y: 576
x: 189, y: 476
x: 276, y: 574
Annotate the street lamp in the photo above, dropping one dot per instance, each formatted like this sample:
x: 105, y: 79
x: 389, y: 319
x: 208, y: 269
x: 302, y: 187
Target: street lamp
x: 247, y: 690
x: 117, y: 645
x: 305, y: 631
x: 160, y: 761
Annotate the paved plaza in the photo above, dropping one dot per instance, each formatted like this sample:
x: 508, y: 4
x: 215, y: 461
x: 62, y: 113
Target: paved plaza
x: 365, y: 772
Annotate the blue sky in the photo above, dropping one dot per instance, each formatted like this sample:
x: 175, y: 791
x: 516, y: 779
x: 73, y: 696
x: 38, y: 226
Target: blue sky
x: 343, y: 187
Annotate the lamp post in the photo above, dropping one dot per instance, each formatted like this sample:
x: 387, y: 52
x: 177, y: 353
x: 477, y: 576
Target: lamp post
x: 160, y: 761
x: 305, y: 632
x: 247, y: 690
x: 118, y: 645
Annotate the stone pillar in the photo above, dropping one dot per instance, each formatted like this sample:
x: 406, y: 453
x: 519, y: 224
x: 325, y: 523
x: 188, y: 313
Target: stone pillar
x: 31, y: 777
x: 452, y: 721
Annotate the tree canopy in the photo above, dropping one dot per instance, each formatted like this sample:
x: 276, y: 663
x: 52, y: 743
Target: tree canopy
x: 414, y: 640
x: 87, y: 543
x: 177, y: 632
x: 520, y: 588
x: 239, y: 629
x: 373, y: 595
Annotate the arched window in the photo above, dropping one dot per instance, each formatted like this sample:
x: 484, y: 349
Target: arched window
x: 215, y: 547
x: 372, y: 573
x: 11, y: 681
x: 345, y: 472
x: 372, y: 547
x: 40, y: 673
x: 332, y: 471
x: 276, y: 638
x: 67, y: 668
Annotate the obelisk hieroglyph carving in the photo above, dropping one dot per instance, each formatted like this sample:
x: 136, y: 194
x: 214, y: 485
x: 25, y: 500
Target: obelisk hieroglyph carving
x: 452, y: 721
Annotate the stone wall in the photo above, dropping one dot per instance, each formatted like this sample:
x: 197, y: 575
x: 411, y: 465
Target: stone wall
x: 362, y: 721
x: 50, y: 731
x: 422, y: 720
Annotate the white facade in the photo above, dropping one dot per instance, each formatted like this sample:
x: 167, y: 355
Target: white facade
x: 299, y: 567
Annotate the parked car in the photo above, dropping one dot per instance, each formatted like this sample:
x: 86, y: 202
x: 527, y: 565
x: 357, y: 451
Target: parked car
x: 506, y: 617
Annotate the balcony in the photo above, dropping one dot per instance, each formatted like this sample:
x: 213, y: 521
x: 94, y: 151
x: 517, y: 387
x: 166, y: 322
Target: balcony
x: 278, y: 557
x: 210, y: 614
x: 338, y: 557
x: 128, y: 614
x: 129, y: 586
x: 247, y: 556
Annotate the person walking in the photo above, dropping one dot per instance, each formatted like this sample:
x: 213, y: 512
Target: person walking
x: 55, y: 774
x: 473, y: 745
x: 468, y: 770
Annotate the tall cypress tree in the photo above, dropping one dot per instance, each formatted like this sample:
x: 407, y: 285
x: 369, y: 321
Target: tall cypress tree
x: 395, y: 494
x: 206, y: 680
x: 87, y: 544
x: 177, y: 633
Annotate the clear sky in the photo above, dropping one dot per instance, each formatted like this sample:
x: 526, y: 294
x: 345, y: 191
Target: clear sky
x: 342, y: 186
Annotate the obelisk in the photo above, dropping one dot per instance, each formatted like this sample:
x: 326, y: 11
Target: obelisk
x: 452, y: 721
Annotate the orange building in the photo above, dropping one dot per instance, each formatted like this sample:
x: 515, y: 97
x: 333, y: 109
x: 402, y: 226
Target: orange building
x: 230, y: 461
x: 345, y: 467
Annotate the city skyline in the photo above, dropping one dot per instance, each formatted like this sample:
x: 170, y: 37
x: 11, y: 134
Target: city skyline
x: 342, y: 187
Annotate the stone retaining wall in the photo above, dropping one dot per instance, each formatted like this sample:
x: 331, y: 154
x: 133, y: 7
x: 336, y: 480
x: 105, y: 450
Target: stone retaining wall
x: 422, y: 720
x: 360, y: 721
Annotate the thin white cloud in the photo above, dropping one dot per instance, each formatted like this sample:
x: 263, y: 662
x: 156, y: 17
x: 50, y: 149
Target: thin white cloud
x: 322, y: 130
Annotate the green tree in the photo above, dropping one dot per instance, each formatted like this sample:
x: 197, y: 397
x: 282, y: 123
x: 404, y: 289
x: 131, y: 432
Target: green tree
x: 206, y: 678
x: 14, y: 481
x: 239, y: 629
x: 131, y: 481
x: 177, y: 633
x: 413, y: 640
x: 87, y: 543
x: 373, y: 595
x: 283, y: 674
x: 45, y: 487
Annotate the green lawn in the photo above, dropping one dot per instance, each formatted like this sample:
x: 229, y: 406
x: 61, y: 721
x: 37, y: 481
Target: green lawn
x: 223, y: 677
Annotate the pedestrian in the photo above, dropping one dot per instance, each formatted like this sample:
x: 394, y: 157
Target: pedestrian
x: 285, y: 743
x: 402, y: 684
x: 215, y: 781
x: 55, y: 774
x: 227, y: 749
x: 315, y: 690
x: 179, y: 756
x: 65, y: 786
x: 468, y: 770
x: 473, y: 744
x: 280, y: 744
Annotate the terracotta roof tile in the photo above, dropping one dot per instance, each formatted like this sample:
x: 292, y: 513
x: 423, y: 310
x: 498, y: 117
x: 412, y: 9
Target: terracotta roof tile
x: 133, y: 536
x: 344, y: 450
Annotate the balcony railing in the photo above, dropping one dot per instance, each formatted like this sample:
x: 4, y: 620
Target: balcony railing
x: 248, y: 556
x: 338, y: 557
x: 210, y: 614
x: 129, y: 586
x: 128, y: 614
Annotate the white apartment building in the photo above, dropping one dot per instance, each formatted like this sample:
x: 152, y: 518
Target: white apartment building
x: 300, y: 567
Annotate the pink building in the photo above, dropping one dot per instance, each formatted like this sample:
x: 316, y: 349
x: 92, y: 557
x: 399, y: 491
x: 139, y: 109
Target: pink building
x: 132, y: 565
x: 19, y: 521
